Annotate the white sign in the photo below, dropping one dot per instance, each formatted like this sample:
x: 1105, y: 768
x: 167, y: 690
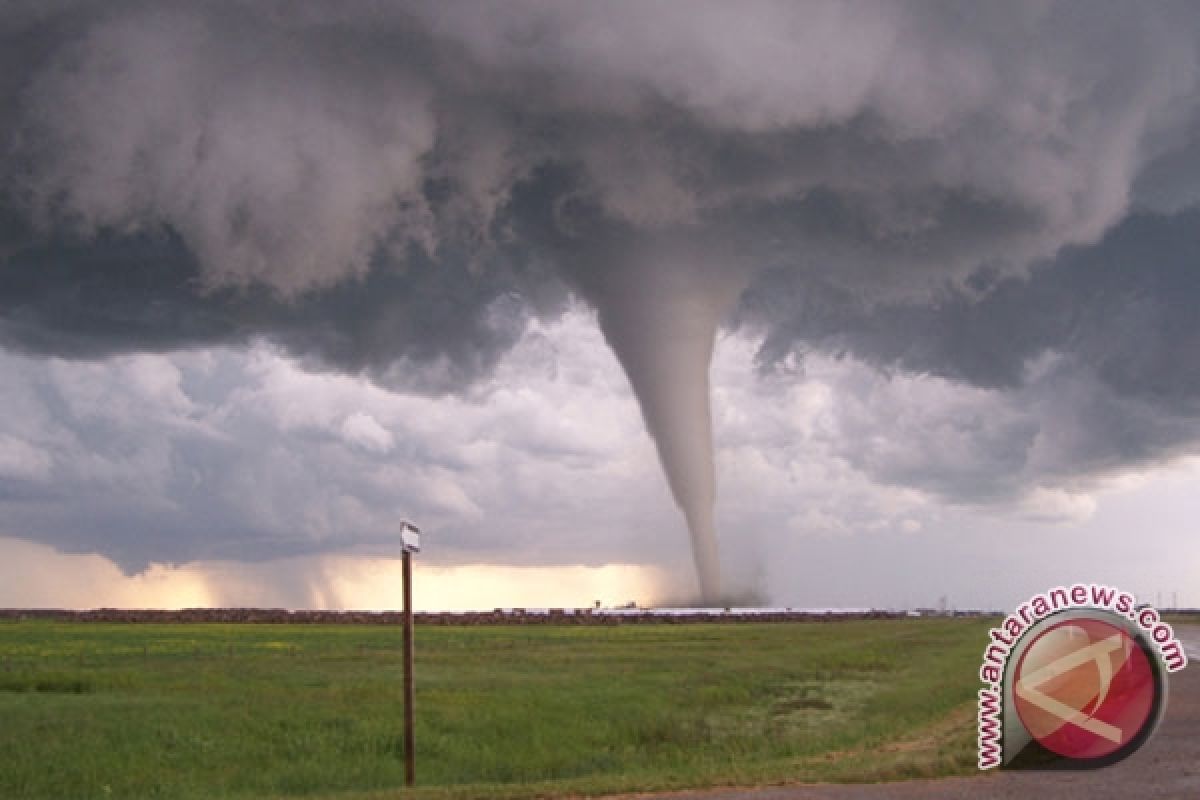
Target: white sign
x: 410, y: 537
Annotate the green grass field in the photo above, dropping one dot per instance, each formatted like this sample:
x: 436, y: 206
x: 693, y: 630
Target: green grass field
x: 267, y: 711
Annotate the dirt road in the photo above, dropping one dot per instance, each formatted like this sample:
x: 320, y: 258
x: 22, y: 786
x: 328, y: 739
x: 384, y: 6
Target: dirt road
x: 1166, y: 768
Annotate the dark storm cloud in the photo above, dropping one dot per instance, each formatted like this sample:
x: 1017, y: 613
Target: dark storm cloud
x: 396, y: 190
x: 1095, y: 351
x: 294, y: 146
x: 1125, y: 306
x: 1122, y: 311
x: 426, y: 326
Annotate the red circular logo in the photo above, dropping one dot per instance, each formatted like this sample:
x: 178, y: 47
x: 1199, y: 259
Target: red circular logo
x: 1084, y: 688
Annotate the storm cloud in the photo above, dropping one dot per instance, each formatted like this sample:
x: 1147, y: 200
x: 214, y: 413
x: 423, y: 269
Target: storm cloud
x: 1001, y: 200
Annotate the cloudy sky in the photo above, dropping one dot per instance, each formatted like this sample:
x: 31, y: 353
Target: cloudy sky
x: 893, y: 301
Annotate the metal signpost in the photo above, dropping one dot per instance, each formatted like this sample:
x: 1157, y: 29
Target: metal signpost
x: 410, y: 539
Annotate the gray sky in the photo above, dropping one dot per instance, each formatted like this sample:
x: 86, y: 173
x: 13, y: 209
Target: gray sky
x: 275, y: 275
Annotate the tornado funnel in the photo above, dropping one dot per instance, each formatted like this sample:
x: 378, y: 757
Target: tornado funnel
x: 661, y: 317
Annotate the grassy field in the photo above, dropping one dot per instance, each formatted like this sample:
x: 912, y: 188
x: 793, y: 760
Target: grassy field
x: 266, y: 711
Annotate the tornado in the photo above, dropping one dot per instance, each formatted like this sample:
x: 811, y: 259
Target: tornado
x: 660, y: 315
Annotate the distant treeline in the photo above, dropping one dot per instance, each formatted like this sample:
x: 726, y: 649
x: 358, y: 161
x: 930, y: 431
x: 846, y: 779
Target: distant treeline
x: 505, y: 616
x: 508, y: 616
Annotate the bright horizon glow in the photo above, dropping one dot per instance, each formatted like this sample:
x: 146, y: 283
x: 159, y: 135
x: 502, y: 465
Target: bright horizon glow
x: 44, y: 578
